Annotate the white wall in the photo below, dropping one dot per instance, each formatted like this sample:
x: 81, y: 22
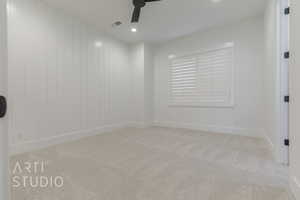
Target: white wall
x: 55, y: 66
x: 272, y: 78
x: 142, y: 85
x: 61, y: 84
x: 138, y: 84
x: 149, y: 84
x: 246, y: 117
x: 3, y: 91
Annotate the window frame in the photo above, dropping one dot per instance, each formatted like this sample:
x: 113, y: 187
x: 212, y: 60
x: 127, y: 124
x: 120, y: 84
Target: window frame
x: 227, y: 104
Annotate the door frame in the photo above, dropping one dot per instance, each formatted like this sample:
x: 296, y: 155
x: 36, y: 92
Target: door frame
x: 283, y: 36
x: 4, y: 194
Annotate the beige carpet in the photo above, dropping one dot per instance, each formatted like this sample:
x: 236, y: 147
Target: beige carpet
x: 158, y: 164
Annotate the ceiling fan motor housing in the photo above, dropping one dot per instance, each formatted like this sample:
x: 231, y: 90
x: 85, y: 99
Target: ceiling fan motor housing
x: 139, y: 3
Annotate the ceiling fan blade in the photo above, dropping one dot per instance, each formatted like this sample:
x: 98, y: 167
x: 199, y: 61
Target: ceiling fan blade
x: 151, y: 0
x: 136, y: 15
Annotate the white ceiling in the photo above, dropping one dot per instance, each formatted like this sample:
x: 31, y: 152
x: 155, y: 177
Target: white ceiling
x: 160, y: 21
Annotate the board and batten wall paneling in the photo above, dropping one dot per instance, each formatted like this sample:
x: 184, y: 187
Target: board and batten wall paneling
x: 137, y: 61
x: 66, y: 80
x: 142, y: 84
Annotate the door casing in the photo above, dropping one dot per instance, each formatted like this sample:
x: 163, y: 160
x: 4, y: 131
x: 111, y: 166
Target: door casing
x: 283, y: 23
x: 3, y: 91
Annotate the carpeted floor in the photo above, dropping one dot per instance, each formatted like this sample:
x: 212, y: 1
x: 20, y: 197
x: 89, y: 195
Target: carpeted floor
x: 155, y: 164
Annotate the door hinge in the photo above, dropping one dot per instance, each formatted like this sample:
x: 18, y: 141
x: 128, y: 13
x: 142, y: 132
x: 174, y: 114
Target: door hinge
x: 287, y: 142
x: 287, y: 11
x: 287, y: 55
x: 287, y: 99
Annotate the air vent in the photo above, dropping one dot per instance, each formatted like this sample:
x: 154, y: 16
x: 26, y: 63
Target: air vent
x: 117, y: 23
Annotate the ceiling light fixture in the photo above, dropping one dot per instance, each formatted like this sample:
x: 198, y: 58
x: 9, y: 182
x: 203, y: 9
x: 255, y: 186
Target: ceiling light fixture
x: 134, y: 30
x: 216, y: 1
x: 98, y: 44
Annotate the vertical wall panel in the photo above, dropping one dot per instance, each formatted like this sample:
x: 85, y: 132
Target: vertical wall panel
x: 61, y: 79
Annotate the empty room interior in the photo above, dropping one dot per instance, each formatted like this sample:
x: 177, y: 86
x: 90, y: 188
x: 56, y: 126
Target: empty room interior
x: 149, y: 100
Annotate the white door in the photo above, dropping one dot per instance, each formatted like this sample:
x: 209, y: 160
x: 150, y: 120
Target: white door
x: 3, y: 92
x: 295, y: 97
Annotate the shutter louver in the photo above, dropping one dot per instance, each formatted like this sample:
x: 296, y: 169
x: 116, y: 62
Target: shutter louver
x: 202, y: 79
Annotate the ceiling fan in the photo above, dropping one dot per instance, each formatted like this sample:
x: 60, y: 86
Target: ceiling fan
x: 138, y: 4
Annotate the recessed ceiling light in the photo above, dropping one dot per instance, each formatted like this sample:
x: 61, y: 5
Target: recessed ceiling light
x: 134, y: 30
x: 98, y: 44
x: 216, y: 1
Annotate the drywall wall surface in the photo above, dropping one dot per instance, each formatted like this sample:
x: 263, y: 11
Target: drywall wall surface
x: 138, y: 84
x: 142, y: 84
x: 246, y: 116
x: 149, y: 84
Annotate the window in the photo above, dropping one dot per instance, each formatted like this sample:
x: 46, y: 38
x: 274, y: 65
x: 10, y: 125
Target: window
x: 202, y: 79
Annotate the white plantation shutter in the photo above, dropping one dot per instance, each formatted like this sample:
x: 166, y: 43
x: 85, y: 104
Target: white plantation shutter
x: 202, y: 79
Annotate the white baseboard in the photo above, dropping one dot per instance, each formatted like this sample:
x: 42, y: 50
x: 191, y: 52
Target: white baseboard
x: 270, y: 143
x: 295, y: 187
x: 139, y: 124
x: 46, y: 142
x: 278, y: 153
x: 217, y: 129
x: 271, y: 147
